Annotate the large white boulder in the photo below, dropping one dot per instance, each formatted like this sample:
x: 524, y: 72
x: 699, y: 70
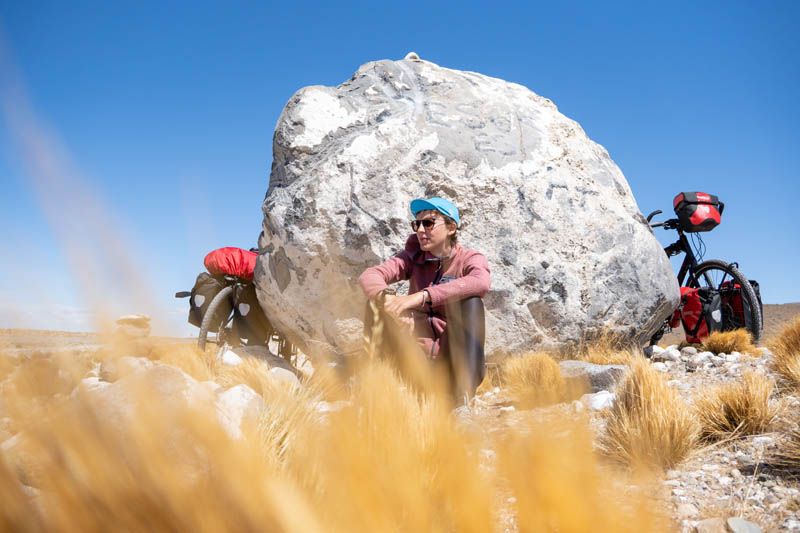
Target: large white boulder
x: 569, y: 251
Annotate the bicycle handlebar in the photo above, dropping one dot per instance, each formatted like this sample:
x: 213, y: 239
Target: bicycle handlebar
x: 671, y: 223
x: 651, y: 215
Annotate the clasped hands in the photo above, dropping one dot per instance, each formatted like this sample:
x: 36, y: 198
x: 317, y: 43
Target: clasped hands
x: 399, y: 308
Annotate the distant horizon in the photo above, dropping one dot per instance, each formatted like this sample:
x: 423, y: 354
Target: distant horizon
x: 190, y: 336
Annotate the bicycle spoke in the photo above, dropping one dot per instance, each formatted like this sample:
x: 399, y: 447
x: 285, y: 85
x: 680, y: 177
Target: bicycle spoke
x: 710, y: 275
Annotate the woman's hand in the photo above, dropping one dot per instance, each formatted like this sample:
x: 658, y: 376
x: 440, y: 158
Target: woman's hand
x: 406, y: 322
x: 397, y: 305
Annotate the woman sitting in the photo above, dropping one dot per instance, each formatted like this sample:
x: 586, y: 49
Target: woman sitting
x: 444, y: 306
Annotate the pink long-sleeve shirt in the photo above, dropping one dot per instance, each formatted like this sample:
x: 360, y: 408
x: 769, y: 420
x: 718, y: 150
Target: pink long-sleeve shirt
x: 465, y: 274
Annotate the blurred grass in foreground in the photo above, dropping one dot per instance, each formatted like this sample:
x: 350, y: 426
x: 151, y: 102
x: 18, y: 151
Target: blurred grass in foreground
x: 394, y: 458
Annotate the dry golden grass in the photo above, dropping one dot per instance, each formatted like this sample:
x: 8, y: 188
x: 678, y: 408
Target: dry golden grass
x: 534, y: 380
x: 253, y: 372
x: 786, y: 353
x: 649, y: 425
x: 491, y: 380
x: 170, y: 469
x: 394, y: 462
x: 559, y: 486
x: 787, y: 454
x: 7, y: 365
x: 605, y: 348
x: 735, y: 409
x: 202, y: 366
x: 738, y: 340
x: 393, y: 459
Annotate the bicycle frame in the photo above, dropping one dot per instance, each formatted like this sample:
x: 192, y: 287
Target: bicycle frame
x: 690, y: 263
x: 681, y: 246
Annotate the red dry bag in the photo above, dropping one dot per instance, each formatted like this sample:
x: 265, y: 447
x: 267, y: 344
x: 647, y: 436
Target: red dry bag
x: 232, y: 261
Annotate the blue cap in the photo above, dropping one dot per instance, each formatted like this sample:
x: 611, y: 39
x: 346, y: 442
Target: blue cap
x: 445, y: 207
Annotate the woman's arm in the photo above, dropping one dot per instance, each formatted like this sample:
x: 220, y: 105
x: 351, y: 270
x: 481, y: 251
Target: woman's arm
x: 375, y: 279
x: 475, y: 282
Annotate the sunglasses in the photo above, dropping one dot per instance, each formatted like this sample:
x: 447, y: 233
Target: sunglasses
x: 427, y: 223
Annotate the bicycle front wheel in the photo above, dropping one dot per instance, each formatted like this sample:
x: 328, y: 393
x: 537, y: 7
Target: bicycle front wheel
x: 213, y: 316
x: 714, y: 273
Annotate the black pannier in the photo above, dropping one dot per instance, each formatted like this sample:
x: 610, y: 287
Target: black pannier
x: 205, y: 288
x: 249, y: 321
x: 697, y: 211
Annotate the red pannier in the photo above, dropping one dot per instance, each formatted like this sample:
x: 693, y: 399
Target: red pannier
x: 233, y: 261
x: 736, y: 312
x: 697, y: 211
x: 701, y: 312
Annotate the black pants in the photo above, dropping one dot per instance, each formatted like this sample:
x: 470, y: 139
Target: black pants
x: 466, y: 330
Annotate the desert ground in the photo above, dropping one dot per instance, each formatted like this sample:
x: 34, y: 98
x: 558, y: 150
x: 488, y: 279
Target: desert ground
x: 695, y: 438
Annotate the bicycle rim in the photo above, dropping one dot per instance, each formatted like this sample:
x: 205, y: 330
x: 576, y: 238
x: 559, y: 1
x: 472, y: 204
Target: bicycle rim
x: 212, y: 315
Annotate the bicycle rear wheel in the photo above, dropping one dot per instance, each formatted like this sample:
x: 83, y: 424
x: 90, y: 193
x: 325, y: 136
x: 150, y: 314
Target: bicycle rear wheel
x: 713, y: 273
x: 214, y: 316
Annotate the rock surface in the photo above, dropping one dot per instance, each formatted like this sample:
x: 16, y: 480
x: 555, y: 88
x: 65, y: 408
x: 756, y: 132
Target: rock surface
x: 599, y: 377
x: 113, y: 369
x: 132, y: 326
x: 569, y: 251
x: 237, y: 355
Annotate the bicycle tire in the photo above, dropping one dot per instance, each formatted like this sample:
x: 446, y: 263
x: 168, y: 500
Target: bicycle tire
x: 209, y: 317
x: 706, y: 269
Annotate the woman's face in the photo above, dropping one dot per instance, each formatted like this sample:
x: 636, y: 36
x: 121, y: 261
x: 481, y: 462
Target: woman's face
x: 435, y: 240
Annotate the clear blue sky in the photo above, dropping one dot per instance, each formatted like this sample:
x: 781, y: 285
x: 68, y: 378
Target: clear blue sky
x: 166, y: 110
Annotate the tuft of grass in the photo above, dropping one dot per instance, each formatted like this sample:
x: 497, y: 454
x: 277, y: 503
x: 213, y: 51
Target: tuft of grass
x: 534, y: 380
x: 393, y: 461
x: 492, y: 379
x: 787, y: 454
x: 253, y: 372
x: 735, y: 409
x: 604, y: 348
x: 202, y: 366
x: 738, y: 340
x: 649, y: 426
x: 686, y: 344
x: 786, y: 353
x: 559, y: 485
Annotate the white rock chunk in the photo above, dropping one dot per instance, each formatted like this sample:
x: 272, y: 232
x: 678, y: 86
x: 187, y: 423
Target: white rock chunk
x: 239, y: 406
x: 660, y: 367
x: 599, y: 400
x: 282, y: 375
x: 230, y: 358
